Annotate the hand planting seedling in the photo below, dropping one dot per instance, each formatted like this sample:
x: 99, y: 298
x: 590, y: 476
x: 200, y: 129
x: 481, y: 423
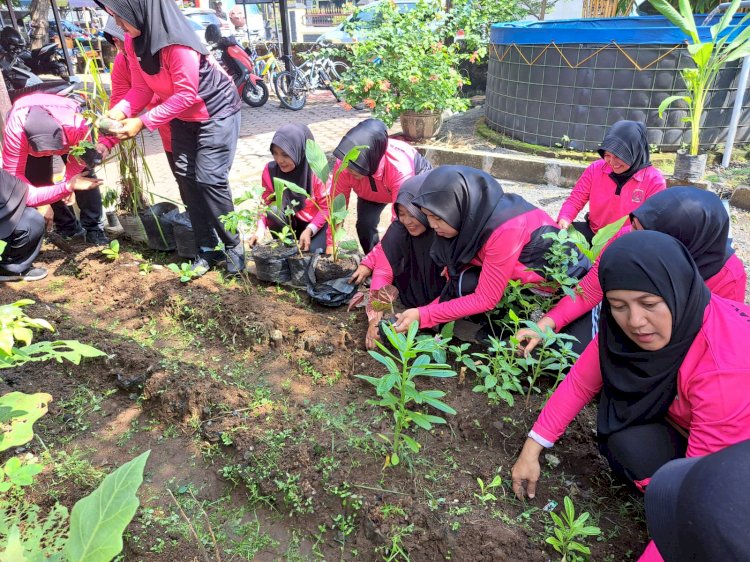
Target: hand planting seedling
x: 567, y: 529
x: 186, y: 271
x: 112, y: 251
x: 397, y: 389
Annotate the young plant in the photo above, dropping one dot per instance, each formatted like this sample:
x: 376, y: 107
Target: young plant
x: 560, y: 257
x: 498, y: 371
x: 377, y: 302
x: 110, y: 198
x: 145, y: 268
x: 601, y: 238
x: 568, y: 529
x: 336, y: 204
x: 485, y: 495
x: 112, y: 252
x: 398, y: 391
x: 186, y: 271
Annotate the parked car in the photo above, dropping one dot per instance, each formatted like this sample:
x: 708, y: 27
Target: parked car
x: 206, y: 17
x: 365, y: 18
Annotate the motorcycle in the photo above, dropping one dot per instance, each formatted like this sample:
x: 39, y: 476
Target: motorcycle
x: 252, y: 89
x: 19, y: 78
x: 46, y: 60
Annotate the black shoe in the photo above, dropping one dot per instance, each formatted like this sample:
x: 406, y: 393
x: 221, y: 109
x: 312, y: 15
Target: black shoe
x: 200, y: 266
x: 97, y: 238
x: 78, y: 235
x: 236, y: 260
x: 31, y: 274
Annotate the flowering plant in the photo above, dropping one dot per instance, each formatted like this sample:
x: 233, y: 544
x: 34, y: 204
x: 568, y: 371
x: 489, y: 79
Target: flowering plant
x: 404, y: 64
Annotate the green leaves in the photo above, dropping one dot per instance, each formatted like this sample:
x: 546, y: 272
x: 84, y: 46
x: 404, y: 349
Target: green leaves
x: 600, y: 240
x: 112, y: 252
x: 18, y: 412
x: 186, y: 271
x: 317, y: 160
x: 568, y: 528
x: 18, y: 473
x: 98, y: 520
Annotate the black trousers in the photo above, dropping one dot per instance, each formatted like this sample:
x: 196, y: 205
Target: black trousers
x: 318, y: 241
x: 39, y: 171
x: 203, y: 153
x: 368, y: 218
x: 24, y: 242
x: 638, y: 451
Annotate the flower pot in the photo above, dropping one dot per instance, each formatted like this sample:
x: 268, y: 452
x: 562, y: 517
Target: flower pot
x: 133, y: 227
x: 689, y: 168
x: 271, y: 263
x: 420, y: 125
x: 112, y: 220
x: 160, y: 231
x: 185, y: 241
x: 298, y: 269
x: 328, y: 270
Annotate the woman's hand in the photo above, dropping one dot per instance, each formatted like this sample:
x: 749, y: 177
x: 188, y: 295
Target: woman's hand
x: 528, y: 335
x: 405, y: 319
x: 115, y: 114
x: 563, y: 224
x: 526, y: 471
x: 373, y: 335
x: 81, y: 182
x: 362, y: 273
x: 252, y: 241
x: 305, y: 240
x: 103, y: 150
x: 130, y: 128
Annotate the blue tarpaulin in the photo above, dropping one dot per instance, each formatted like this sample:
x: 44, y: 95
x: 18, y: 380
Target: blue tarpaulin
x: 637, y: 30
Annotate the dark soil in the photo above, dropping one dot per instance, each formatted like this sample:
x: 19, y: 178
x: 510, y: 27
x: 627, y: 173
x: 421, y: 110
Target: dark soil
x: 327, y: 270
x: 258, y: 387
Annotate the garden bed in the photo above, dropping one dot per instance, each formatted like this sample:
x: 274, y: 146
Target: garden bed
x: 264, y: 440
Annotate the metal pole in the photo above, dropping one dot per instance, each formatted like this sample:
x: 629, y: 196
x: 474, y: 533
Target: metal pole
x: 61, y: 35
x: 736, y: 112
x: 12, y: 15
x: 286, y: 44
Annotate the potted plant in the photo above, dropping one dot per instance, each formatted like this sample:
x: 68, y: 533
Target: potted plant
x: 728, y: 43
x: 406, y: 68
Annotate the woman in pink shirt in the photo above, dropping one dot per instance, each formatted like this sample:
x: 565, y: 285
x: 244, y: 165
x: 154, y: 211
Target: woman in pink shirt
x: 670, y: 361
x: 402, y: 258
x: 376, y: 175
x: 290, y: 164
x: 201, y: 105
x: 698, y: 219
x: 477, y: 224
x: 22, y: 227
x: 615, y: 185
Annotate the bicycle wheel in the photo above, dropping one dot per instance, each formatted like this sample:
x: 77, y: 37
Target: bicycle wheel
x: 290, y: 89
x: 328, y: 83
x: 255, y: 96
x: 338, y: 69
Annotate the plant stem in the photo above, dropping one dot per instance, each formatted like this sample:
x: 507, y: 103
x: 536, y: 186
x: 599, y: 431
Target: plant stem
x: 401, y: 405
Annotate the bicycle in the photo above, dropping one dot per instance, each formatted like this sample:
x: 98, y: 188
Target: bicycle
x: 316, y: 73
x: 267, y: 66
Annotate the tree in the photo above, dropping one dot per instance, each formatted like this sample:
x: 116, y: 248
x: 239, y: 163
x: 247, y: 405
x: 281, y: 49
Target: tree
x: 38, y: 34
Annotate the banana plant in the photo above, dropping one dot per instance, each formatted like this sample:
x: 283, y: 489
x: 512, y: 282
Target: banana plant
x: 728, y: 43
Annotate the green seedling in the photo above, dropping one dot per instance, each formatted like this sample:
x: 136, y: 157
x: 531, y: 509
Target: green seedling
x: 485, y: 495
x: 567, y: 529
x: 112, y: 252
x: 397, y: 389
x: 186, y: 271
x: 601, y: 239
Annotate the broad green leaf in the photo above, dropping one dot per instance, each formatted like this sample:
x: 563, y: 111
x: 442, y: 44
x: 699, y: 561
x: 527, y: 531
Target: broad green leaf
x: 701, y: 53
x: 411, y: 443
x: 740, y: 52
x: 447, y: 331
x: 438, y: 405
x: 394, y: 460
x: 317, y: 160
x: 6, y: 341
x: 21, y: 474
x: 339, y: 205
x: 18, y: 412
x: 669, y: 101
x: 421, y: 420
x: 98, y: 520
x: 389, y: 363
x: 14, y: 548
x: 664, y: 8
x: 605, y: 234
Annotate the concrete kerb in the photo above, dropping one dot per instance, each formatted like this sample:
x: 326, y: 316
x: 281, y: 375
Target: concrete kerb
x: 512, y: 167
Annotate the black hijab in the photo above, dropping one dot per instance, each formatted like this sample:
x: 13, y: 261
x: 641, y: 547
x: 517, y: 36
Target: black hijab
x: 639, y: 386
x: 415, y: 274
x: 472, y: 202
x: 13, y: 195
x: 696, y: 218
x: 43, y: 132
x: 627, y: 140
x: 161, y: 24
x: 292, y: 139
x: 371, y: 133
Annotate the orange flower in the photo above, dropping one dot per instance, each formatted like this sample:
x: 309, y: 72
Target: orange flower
x: 369, y: 102
x: 346, y: 106
x: 474, y: 56
x: 368, y: 84
x: 413, y: 79
x: 385, y: 85
x: 433, y: 77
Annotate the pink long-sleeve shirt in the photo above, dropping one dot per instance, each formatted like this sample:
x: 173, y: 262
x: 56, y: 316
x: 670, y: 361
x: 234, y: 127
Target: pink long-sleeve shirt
x: 713, y: 384
x: 382, y: 272
x: 193, y: 87
x: 308, y: 213
x: 596, y: 188
x: 16, y: 149
x: 499, y: 261
x: 729, y: 282
x: 396, y: 166
x: 121, y: 86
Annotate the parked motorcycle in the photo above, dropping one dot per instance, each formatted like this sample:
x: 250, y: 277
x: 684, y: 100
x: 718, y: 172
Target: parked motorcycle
x: 237, y: 63
x: 19, y: 78
x: 46, y: 60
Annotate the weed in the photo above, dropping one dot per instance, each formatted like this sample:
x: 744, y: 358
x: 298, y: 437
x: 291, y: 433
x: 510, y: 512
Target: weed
x: 293, y: 496
x: 112, y: 252
x: 485, y: 494
x: 567, y: 529
x: 395, y: 550
x: 75, y: 467
x: 78, y: 407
